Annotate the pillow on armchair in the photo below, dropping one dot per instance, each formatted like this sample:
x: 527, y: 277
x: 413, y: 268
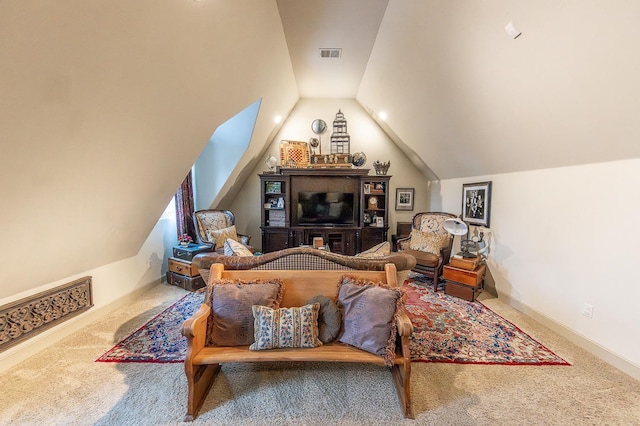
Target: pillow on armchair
x: 219, y: 236
x: 429, y: 242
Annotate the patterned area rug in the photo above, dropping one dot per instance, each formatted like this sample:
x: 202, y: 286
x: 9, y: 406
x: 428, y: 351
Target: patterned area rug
x: 446, y: 329
x: 449, y: 329
x: 159, y: 340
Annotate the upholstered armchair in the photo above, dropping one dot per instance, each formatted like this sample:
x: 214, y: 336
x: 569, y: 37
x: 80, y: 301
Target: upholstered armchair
x: 429, y: 243
x: 213, y: 227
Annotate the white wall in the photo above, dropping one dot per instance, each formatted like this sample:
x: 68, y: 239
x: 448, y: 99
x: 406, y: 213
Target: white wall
x: 112, y: 284
x: 366, y: 136
x: 564, y: 237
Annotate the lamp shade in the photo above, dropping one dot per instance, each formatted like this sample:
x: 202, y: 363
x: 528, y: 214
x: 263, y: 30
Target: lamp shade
x: 455, y: 226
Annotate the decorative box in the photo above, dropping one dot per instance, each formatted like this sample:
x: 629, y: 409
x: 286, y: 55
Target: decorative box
x: 469, y: 263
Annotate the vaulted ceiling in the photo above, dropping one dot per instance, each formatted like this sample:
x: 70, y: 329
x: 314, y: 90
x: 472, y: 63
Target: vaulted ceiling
x: 465, y: 98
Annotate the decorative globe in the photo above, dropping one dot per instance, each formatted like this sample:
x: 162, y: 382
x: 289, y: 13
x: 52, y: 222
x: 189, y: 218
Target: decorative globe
x: 271, y: 162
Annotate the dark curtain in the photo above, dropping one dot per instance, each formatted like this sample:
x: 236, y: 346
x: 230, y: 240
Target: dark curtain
x: 185, y: 208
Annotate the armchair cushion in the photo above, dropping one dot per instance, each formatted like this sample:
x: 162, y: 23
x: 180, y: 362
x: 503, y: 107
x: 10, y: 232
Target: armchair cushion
x: 285, y: 327
x: 231, y: 320
x: 219, y: 236
x: 372, y: 330
x: 429, y: 242
x: 423, y: 258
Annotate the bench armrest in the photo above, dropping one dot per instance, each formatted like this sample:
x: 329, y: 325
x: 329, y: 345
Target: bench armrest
x: 195, y: 330
x: 404, y: 325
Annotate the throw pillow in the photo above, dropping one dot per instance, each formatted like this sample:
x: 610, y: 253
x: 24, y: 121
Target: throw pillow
x: 370, y: 311
x: 219, y: 236
x: 329, y: 318
x: 231, y: 319
x: 429, y: 242
x: 235, y: 248
x: 379, y: 250
x: 285, y: 327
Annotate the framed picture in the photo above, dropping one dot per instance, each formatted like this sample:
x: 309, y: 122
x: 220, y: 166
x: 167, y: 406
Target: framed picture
x: 379, y: 222
x: 367, y: 188
x: 476, y: 203
x: 404, y: 198
x: 273, y: 187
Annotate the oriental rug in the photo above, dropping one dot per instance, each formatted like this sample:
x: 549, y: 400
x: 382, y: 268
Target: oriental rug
x: 446, y: 329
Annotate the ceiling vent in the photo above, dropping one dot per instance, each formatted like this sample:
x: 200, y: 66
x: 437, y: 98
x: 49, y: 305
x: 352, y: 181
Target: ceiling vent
x: 330, y: 53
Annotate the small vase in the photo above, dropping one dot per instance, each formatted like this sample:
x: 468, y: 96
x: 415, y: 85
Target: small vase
x: 184, y: 243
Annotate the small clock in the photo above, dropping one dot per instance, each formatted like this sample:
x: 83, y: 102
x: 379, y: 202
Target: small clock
x: 373, y: 202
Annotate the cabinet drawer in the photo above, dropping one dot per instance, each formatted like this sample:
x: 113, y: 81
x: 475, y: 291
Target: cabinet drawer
x: 184, y: 268
x: 463, y: 276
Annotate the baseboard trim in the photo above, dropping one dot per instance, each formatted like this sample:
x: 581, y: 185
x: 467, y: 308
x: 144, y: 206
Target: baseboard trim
x: 585, y: 343
x: 28, y: 348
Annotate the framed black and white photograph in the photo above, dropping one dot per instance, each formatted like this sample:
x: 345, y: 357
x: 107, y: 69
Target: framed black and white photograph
x: 367, y: 188
x: 476, y: 203
x: 404, y: 198
x: 380, y: 222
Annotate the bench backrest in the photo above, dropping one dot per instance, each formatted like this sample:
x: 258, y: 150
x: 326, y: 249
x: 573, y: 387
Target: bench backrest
x: 302, y: 285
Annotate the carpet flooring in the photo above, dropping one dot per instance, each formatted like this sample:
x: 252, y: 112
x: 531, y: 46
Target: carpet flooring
x: 446, y: 329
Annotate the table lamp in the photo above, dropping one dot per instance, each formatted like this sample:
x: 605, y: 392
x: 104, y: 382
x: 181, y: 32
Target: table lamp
x: 455, y: 226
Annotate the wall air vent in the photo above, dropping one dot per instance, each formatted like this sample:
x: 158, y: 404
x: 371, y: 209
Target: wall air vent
x: 330, y: 53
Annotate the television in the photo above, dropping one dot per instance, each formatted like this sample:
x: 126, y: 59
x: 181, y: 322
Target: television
x: 325, y: 208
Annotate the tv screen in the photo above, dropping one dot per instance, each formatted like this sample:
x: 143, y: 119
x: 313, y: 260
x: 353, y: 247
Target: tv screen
x: 325, y: 208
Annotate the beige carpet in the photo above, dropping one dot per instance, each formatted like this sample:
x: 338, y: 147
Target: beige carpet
x: 64, y: 386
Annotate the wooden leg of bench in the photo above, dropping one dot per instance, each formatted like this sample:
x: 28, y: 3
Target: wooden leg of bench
x: 401, y: 378
x: 200, y: 379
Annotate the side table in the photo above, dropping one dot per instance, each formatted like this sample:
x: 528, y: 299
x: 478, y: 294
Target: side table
x: 181, y: 272
x: 463, y: 283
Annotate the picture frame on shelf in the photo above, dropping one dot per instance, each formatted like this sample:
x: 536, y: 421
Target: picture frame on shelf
x: 367, y: 188
x: 273, y: 187
x: 379, y: 222
x: 404, y: 198
x: 476, y: 203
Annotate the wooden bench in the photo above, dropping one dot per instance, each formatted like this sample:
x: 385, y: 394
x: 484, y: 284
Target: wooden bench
x: 202, y: 363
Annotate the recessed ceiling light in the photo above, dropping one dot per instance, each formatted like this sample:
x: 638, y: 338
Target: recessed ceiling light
x: 382, y: 115
x: 277, y: 119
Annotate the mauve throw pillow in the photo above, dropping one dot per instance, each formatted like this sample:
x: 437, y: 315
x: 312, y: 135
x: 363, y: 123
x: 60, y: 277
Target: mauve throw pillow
x: 231, y: 319
x: 369, y: 311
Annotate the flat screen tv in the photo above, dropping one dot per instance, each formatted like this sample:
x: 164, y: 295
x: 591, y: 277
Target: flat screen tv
x: 325, y: 208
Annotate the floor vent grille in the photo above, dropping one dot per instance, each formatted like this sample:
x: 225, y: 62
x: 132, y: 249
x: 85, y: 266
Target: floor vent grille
x: 27, y: 317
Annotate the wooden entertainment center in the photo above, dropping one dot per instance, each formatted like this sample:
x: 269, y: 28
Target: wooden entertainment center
x: 347, y: 207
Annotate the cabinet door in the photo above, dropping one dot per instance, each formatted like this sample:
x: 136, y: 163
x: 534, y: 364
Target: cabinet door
x: 371, y: 236
x: 273, y: 240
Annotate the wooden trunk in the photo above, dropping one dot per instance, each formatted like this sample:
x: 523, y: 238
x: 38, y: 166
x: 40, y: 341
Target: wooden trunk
x: 186, y: 282
x: 183, y: 267
x: 464, y: 283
